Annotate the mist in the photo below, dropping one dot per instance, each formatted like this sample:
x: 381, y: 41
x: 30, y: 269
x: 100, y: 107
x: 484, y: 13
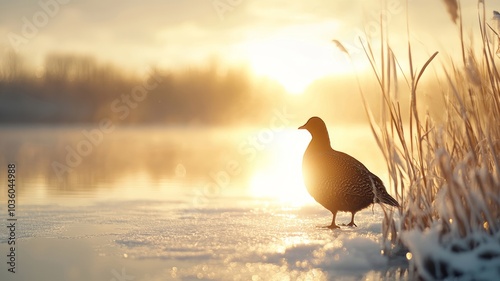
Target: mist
x: 78, y: 89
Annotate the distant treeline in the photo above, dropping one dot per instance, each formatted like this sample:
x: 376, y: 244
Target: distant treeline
x: 71, y: 89
x: 76, y: 89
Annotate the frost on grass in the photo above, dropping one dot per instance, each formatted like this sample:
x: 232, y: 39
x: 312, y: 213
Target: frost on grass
x: 443, y: 165
x: 464, y: 242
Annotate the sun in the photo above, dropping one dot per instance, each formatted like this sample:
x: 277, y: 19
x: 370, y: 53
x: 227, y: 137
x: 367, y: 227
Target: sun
x: 295, y: 63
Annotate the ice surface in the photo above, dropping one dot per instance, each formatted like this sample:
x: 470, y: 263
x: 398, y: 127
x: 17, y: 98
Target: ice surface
x: 230, y: 239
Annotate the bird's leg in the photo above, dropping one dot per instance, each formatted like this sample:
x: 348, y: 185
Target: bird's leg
x: 333, y: 225
x: 352, y: 220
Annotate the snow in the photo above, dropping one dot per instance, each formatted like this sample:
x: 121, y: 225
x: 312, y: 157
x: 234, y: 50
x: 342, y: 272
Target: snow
x: 476, y: 257
x: 232, y: 238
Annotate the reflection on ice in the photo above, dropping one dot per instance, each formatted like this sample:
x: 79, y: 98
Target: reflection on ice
x: 154, y: 158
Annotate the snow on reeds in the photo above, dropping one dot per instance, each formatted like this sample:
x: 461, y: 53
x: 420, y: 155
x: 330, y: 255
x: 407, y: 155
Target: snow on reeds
x: 445, y: 173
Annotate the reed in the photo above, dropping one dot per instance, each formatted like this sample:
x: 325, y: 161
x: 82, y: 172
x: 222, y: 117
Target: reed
x: 444, y: 171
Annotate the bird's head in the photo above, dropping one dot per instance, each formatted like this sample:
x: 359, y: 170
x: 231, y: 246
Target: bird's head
x: 316, y: 127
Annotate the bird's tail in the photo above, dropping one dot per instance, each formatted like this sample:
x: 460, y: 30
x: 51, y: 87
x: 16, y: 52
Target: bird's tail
x: 387, y: 199
x: 381, y: 195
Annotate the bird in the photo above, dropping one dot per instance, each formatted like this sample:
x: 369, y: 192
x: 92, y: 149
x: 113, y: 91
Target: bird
x: 337, y: 180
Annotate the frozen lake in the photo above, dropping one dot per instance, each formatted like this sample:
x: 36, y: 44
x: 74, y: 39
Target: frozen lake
x: 178, y: 204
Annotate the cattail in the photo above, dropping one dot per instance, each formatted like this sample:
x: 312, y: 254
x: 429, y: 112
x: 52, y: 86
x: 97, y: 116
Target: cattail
x: 452, y: 7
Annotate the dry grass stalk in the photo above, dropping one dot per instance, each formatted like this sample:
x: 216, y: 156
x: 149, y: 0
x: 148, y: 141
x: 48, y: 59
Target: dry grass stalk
x: 445, y: 174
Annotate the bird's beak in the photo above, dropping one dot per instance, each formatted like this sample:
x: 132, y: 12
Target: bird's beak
x: 302, y: 127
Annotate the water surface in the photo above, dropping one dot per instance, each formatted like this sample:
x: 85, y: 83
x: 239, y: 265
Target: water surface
x: 154, y: 203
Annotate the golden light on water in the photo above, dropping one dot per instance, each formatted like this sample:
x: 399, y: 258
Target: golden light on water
x: 282, y: 178
x: 280, y: 185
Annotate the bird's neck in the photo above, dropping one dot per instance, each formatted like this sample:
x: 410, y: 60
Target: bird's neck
x: 320, y: 142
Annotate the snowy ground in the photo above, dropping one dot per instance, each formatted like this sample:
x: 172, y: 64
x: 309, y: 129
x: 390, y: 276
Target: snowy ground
x: 231, y: 239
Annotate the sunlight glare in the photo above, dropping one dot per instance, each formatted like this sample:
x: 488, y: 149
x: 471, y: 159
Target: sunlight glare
x: 283, y: 180
x: 294, y: 63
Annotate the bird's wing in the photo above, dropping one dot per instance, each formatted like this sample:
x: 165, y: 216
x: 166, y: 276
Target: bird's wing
x: 342, y: 170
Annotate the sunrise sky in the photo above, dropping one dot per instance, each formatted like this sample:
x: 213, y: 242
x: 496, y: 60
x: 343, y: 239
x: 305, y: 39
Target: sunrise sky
x: 289, y: 41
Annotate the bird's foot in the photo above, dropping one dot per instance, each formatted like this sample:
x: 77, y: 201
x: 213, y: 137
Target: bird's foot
x: 332, y: 226
x: 351, y: 224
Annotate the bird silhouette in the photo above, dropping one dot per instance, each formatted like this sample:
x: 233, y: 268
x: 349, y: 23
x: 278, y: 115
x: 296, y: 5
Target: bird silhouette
x: 337, y: 180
